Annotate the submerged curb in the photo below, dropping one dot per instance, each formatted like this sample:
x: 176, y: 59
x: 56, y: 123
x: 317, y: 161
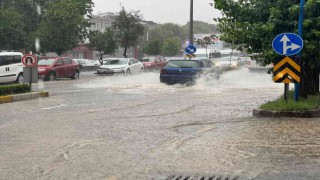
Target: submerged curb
x: 21, y: 97
x: 297, y: 114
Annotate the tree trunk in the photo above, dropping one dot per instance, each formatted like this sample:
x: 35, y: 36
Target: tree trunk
x: 100, y: 59
x: 125, y: 52
x: 310, y: 81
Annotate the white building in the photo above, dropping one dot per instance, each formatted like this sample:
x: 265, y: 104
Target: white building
x: 102, y: 21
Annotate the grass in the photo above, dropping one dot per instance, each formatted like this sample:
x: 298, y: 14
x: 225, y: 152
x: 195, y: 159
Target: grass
x: 311, y: 103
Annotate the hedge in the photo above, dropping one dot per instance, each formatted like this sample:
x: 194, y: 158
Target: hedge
x: 14, y: 89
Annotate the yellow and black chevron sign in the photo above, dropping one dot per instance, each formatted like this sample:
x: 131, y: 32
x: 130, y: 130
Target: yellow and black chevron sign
x: 190, y: 55
x: 287, y: 70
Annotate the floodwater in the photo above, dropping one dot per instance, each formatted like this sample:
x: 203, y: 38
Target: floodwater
x: 134, y: 127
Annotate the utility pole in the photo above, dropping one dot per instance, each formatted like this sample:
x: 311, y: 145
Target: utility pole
x: 191, y: 23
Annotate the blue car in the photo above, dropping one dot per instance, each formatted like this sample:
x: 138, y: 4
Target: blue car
x: 186, y: 71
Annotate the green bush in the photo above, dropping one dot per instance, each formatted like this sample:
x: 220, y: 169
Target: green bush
x: 14, y: 89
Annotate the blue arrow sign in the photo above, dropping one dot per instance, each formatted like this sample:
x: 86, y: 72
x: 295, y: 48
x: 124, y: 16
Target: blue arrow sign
x: 287, y: 44
x: 190, y: 49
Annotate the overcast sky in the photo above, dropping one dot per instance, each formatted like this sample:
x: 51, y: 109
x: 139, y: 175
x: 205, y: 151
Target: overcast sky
x: 162, y: 11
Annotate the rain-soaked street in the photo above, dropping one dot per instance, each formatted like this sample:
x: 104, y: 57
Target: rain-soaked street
x: 133, y: 127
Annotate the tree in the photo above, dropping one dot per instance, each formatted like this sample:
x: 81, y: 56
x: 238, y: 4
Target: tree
x: 255, y: 23
x: 104, y: 42
x: 129, y: 28
x: 207, y: 40
x: 199, y: 27
x: 165, y: 31
x: 63, y: 25
x: 171, y: 46
x: 153, y: 47
x: 11, y: 29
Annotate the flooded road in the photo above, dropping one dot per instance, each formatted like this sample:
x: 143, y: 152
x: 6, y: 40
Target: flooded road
x: 133, y: 127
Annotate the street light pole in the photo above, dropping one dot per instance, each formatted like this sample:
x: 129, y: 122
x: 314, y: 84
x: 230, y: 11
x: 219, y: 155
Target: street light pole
x: 191, y: 23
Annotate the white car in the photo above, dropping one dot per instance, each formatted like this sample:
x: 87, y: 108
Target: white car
x: 227, y: 62
x: 11, y: 68
x: 120, y: 66
x: 86, y: 62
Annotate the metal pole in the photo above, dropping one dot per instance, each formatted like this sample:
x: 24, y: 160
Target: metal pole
x: 300, y: 30
x: 286, y: 92
x: 191, y: 23
x: 30, y: 79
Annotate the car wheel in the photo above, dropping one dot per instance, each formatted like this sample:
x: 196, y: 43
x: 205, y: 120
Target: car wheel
x: 76, y: 75
x: 20, y: 79
x: 51, y: 76
x: 128, y: 72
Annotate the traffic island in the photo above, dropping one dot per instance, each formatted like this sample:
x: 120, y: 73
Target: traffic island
x: 21, y: 97
x: 277, y: 114
x: 44, y: 94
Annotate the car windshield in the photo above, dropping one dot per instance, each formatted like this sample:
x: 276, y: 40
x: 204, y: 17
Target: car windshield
x: 116, y: 62
x: 46, y: 61
x: 182, y: 64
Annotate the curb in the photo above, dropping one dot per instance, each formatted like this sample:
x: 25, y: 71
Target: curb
x: 21, y: 97
x: 296, y: 114
x: 5, y: 99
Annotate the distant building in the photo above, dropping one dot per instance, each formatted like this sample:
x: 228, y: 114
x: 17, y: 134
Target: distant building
x: 102, y: 21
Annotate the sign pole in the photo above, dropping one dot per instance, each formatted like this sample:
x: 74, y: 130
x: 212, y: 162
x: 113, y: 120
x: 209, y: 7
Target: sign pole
x: 286, y: 92
x: 300, y: 29
x: 191, y: 23
x: 30, y: 74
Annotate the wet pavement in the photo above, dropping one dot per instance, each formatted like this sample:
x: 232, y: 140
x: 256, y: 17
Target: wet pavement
x: 133, y: 127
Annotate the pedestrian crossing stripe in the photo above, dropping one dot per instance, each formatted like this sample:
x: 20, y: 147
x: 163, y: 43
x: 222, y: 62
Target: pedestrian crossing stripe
x: 287, y: 70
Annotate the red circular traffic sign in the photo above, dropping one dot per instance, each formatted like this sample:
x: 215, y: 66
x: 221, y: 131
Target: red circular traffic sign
x: 29, y: 60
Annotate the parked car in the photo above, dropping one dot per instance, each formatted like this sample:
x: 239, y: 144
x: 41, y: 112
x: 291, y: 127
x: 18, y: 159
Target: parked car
x: 188, y: 71
x: 50, y: 68
x: 120, y: 66
x: 153, y: 63
x: 11, y: 68
x: 86, y: 62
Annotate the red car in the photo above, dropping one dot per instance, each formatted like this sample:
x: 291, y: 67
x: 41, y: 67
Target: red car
x: 50, y: 68
x: 153, y: 63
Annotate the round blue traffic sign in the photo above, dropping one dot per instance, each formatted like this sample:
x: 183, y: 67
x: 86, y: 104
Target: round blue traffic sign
x: 287, y: 44
x: 190, y: 49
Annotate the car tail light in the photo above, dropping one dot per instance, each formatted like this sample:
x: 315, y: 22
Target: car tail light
x: 163, y: 71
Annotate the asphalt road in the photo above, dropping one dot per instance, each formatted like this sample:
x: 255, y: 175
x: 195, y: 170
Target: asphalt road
x: 133, y: 127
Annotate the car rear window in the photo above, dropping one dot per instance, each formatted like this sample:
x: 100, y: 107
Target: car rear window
x: 45, y: 62
x: 116, y: 62
x: 182, y: 64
